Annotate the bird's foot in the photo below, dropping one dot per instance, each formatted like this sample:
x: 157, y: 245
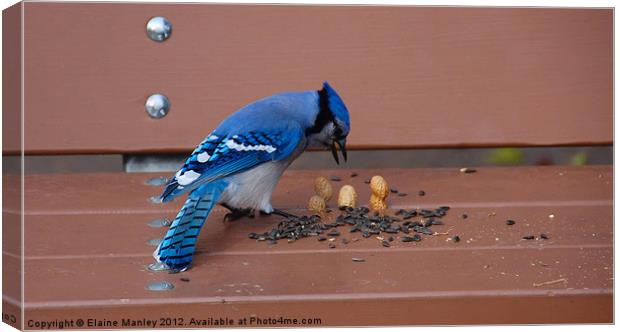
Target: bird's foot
x: 236, y: 214
x: 179, y: 270
x: 282, y: 214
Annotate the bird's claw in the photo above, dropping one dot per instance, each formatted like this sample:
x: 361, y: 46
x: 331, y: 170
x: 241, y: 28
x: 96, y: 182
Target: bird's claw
x: 237, y: 214
x: 284, y: 214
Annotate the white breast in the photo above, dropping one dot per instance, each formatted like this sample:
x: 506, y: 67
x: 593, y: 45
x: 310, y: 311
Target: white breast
x: 253, y: 188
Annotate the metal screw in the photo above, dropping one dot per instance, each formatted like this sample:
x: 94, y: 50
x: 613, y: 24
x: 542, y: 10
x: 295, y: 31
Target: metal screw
x: 157, y: 223
x: 156, y: 267
x: 157, y: 106
x: 158, y: 29
x: 155, y: 200
x: 154, y: 242
x: 157, y: 181
x: 159, y: 286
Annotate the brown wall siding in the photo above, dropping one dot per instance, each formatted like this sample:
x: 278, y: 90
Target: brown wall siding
x: 11, y: 77
x: 411, y: 76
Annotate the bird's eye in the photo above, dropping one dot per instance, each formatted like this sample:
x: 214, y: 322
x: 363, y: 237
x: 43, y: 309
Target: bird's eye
x: 338, y: 133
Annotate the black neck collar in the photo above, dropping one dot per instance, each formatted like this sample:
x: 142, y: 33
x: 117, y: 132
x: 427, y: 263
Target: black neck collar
x: 325, y: 114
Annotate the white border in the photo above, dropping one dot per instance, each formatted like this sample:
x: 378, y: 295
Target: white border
x: 504, y: 3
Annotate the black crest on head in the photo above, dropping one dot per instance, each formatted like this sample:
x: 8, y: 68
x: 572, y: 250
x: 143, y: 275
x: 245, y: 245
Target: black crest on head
x: 325, y: 115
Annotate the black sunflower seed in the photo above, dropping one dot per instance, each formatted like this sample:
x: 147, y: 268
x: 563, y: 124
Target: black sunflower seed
x: 423, y: 230
x: 333, y: 232
x: 415, y: 238
x: 529, y: 237
x: 510, y: 222
x: 410, y: 214
x: 456, y: 238
x: 421, y: 193
x: 335, y: 178
x: 385, y: 243
x: 544, y: 236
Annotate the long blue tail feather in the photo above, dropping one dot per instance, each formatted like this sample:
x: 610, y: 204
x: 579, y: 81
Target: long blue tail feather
x: 178, y: 246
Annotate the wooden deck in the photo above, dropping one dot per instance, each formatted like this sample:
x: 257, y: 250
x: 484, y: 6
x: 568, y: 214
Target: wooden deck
x: 87, y: 249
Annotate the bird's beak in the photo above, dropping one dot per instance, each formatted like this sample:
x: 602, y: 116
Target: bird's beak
x: 342, y: 145
x: 335, y: 152
x: 343, y: 148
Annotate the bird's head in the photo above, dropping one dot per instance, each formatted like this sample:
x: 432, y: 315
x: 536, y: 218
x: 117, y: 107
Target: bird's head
x: 331, y: 125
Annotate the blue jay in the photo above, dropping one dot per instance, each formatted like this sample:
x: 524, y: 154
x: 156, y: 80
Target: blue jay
x: 239, y: 164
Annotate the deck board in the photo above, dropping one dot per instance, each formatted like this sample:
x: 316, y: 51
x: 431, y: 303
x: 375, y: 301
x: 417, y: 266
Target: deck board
x: 97, y: 256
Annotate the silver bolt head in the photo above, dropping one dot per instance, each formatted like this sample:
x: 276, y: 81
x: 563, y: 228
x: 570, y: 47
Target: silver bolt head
x: 157, y: 106
x: 158, y: 29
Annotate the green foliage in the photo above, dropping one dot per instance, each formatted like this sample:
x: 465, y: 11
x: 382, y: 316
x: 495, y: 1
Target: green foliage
x: 505, y: 156
x: 579, y: 159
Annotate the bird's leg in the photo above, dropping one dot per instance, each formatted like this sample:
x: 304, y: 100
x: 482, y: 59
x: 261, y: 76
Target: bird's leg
x: 283, y: 214
x: 236, y: 214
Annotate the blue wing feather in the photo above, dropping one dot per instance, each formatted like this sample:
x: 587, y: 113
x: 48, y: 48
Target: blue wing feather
x: 230, y: 154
